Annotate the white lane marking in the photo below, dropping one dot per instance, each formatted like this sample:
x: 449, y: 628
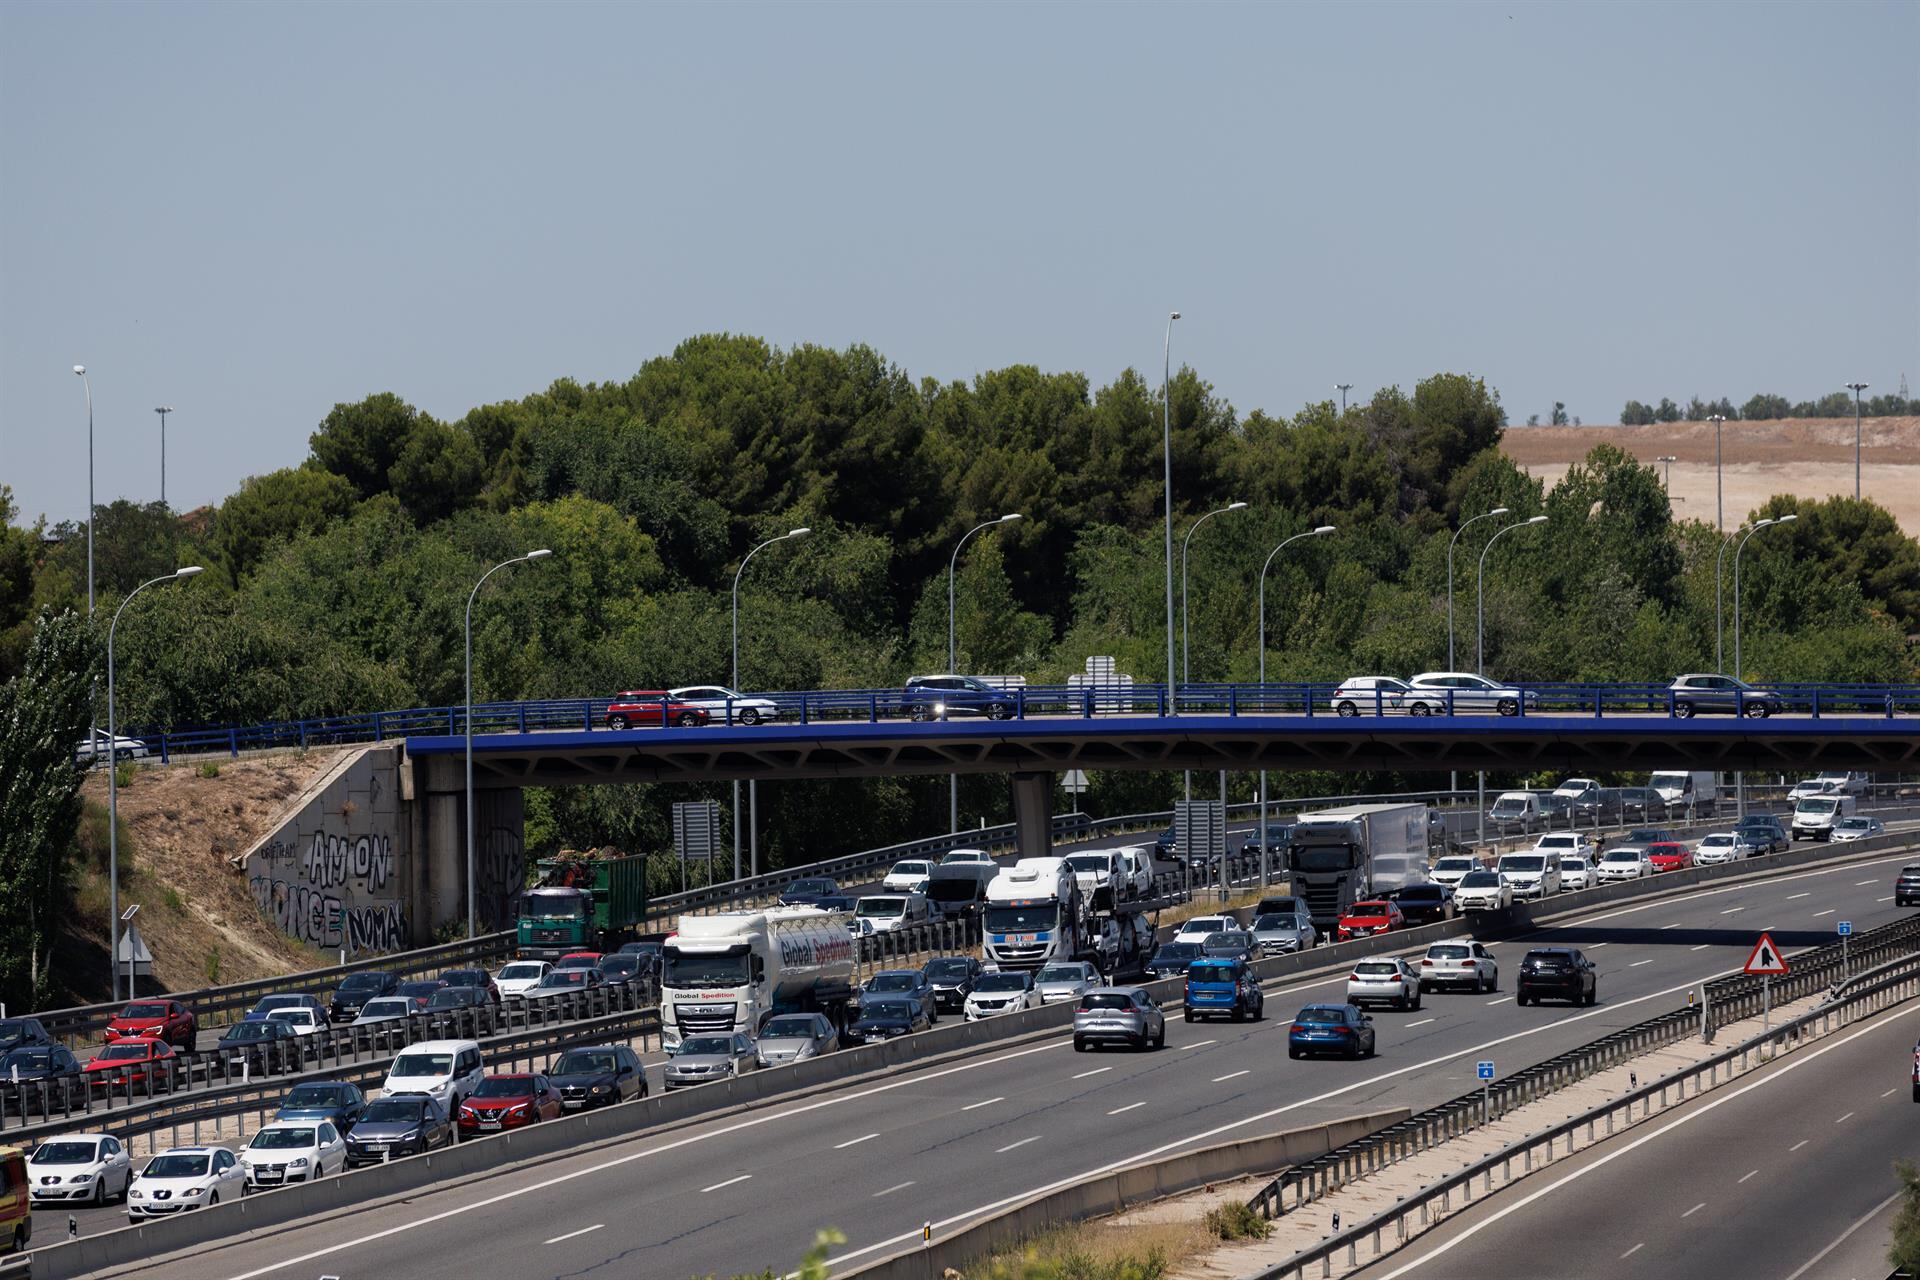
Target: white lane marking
x: 1501, y: 1000
x: 1888, y: 898
x: 1129, y: 1107
x: 1011, y: 1145
x: 1730, y: 910
x: 1858, y: 883
x: 1841, y: 1239
x: 1752, y: 1174
x: 571, y: 1234
x: 1096, y: 1071
x: 854, y: 1142
x: 1843, y: 1119
x: 1199, y: 1044
x: 729, y: 1182
x: 1796, y: 1146
x: 1597, y: 945
x: 1233, y: 1075
x: 1697, y: 1208
x: 898, y: 1186
x: 1792, y: 896
x: 1629, y: 1253
x: 1423, y: 1022
x: 1702, y: 947
x: 1829, y: 911
x: 1637, y: 963
x: 1677, y: 924
x: 1719, y: 1100
x: 1889, y: 1093
x: 975, y: 1106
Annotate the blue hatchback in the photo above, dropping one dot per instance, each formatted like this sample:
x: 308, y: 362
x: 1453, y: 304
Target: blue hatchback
x: 1331, y: 1028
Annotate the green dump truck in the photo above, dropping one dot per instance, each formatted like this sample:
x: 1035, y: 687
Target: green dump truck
x: 582, y: 904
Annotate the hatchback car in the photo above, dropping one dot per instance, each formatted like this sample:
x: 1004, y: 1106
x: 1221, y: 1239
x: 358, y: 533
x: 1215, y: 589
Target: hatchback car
x: 520, y: 977
x: 1906, y: 886
x: 1669, y: 855
x: 385, y: 1009
x: 1170, y: 959
x: 182, y: 1179
x: 292, y: 1151
x: 1365, y: 918
x: 338, y: 1101
x: 1449, y: 869
x: 1331, y: 1028
x: 1576, y: 871
x: 1700, y: 693
x: 795, y: 1037
x: 1483, y: 891
x: 401, y: 1124
x: 1118, y: 1015
x: 910, y: 876
x: 953, y: 978
x: 1004, y: 991
x: 141, y: 1063
x: 724, y: 705
x: 597, y: 1076
x: 509, y: 1101
x: 902, y: 984
x: 1624, y: 864
x: 1459, y: 964
x: 1858, y: 828
x: 89, y: 1167
x: 1557, y: 973
x: 1370, y: 696
x: 167, y: 1020
x: 1066, y: 980
x: 884, y: 1017
x: 941, y: 696
x: 1197, y: 928
x: 1442, y: 693
x: 1722, y: 846
x: 1384, y: 980
x: 1278, y: 935
x: 1425, y: 903
x: 705, y: 1059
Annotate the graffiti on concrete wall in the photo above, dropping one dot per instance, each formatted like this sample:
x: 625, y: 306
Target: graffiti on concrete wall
x: 502, y: 874
x: 328, y: 890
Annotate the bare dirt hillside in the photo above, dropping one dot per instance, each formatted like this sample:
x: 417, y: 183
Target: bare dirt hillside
x: 1806, y: 457
x: 197, y: 914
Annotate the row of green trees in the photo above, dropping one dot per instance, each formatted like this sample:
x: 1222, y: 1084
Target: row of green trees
x: 1766, y: 406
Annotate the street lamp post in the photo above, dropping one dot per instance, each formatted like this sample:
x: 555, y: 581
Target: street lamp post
x: 1497, y: 511
x: 1480, y: 593
x: 953, y: 561
x: 1166, y: 455
x: 113, y: 781
x: 1758, y: 525
x: 467, y: 722
x: 82, y: 371
x: 753, y: 787
x: 163, y: 411
x: 1186, y: 654
x: 1343, y: 388
x: 1319, y: 532
x: 1856, y: 388
x: 1718, y: 420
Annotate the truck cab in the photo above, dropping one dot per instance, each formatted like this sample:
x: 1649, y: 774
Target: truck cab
x: 1218, y: 985
x: 730, y: 972
x: 1338, y: 857
x: 1033, y: 916
x: 581, y: 904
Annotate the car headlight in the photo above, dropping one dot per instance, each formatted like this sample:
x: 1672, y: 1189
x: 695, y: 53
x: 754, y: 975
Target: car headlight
x: 299, y: 1162
x: 602, y: 1088
x: 194, y: 1191
x: 83, y: 1177
x: 409, y: 1135
x: 136, y: 1194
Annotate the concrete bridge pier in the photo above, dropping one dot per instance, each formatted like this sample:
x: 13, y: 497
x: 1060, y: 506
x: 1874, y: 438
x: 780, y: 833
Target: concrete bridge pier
x: 1033, y: 814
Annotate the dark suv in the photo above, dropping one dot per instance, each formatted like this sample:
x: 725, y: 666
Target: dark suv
x: 937, y: 697
x: 1906, y: 890
x: 1557, y: 973
x: 1763, y: 832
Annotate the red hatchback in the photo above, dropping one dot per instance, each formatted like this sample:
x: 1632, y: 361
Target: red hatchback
x: 1365, y: 918
x: 167, y: 1020
x: 1669, y: 855
x: 508, y: 1102
x: 132, y: 1061
x: 652, y: 706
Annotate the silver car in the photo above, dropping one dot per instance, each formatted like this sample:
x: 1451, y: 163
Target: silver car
x: 1379, y: 980
x: 1276, y: 935
x: 1067, y: 980
x: 1118, y: 1015
x: 704, y: 1059
x: 790, y: 1037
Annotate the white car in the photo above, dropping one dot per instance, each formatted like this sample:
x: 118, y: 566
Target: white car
x: 1576, y: 871
x: 889, y: 912
x: 1459, y: 964
x: 1439, y: 693
x: 1722, y: 846
x: 1370, y: 696
x: 1567, y: 843
x: 966, y: 855
x: 910, y: 876
x: 520, y: 977
x: 185, y: 1178
x: 383, y: 1009
x: 97, y: 746
x: 1450, y: 869
x: 1199, y: 927
x: 1002, y: 991
x: 1383, y: 981
x: 90, y: 1167
x: 1853, y: 784
x: 1808, y: 787
x: 292, y: 1151
x: 1483, y: 890
x: 305, y: 1022
x: 719, y: 702
x: 1067, y: 980
x: 1621, y: 864
x: 1136, y: 868
x: 1858, y: 828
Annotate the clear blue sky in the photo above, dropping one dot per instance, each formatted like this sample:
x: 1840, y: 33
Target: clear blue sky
x: 251, y: 212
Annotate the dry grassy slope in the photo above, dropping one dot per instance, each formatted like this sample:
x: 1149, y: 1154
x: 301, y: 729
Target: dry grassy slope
x: 183, y: 828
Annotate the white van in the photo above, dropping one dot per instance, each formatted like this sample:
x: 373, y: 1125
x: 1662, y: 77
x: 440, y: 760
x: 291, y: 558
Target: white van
x: 1532, y: 875
x: 1813, y: 817
x: 1515, y: 808
x: 890, y: 912
x: 1689, y: 791
x: 448, y: 1071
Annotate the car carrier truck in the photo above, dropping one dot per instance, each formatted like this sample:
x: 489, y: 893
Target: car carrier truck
x: 734, y: 970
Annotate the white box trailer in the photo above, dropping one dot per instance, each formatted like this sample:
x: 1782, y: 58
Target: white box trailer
x: 1338, y: 857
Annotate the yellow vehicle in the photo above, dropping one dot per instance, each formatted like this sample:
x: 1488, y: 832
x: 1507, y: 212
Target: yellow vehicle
x: 16, y: 1206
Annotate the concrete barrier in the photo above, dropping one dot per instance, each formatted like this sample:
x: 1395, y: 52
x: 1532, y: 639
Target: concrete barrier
x: 1114, y: 1191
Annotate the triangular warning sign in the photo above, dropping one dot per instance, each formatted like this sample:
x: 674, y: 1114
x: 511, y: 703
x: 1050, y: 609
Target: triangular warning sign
x: 1766, y: 957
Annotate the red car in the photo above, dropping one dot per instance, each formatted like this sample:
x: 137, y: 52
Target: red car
x: 131, y: 1061
x: 508, y: 1102
x: 579, y: 960
x: 1363, y: 918
x: 167, y: 1020
x: 650, y: 706
x: 1669, y: 855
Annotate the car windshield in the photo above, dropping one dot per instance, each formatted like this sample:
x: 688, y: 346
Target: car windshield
x: 1377, y: 966
x: 132, y: 1052
x: 1091, y: 862
x: 1367, y: 910
x: 390, y: 1110
x: 619, y: 966
x: 364, y: 982
x: 142, y: 1011
x: 1106, y: 1000
x: 1717, y: 838
x: 267, y: 1004
x: 705, y: 971
x: 789, y: 1028
x: 1267, y: 923
x: 176, y: 1164
x: 1060, y: 973
x: 1622, y: 855
x: 1853, y: 824
x: 449, y: 998
x: 949, y: 968
x: 1022, y: 919
x: 421, y: 1064
x: 314, y: 1095
x: 706, y: 1044
x: 1572, y: 862
x: 253, y: 1031
x: 881, y: 908
x: 1208, y: 924
x: 893, y: 982
x: 888, y: 1009
x: 464, y: 977
x: 386, y: 1007
x: 280, y: 1139
x: 812, y: 886
x: 31, y: 1058
x: 1417, y: 891
x: 65, y: 1153
x: 521, y: 972
x: 1176, y: 952
x: 1001, y: 982
x: 1321, y: 1016
x: 1479, y: 880
x: 1454, y: 864
x: 574, y: 978
x: 583, y: 1062
x: 1522, y: 862
x: 1817, y: 806
x: 292, y: 1017
x: 505, y: 1087
x: 425, y: 987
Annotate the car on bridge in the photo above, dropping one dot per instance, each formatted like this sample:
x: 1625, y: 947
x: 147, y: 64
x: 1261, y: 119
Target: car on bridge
x: 942, y: 696
x: 182, y: 1179
x: 167, y: 1020
x: 653, y: 706
x: 1460, y: 693
x: 1370, y: 696
x: 724, y: 705
x: 1331, y: 1028
x: 1698, y: 693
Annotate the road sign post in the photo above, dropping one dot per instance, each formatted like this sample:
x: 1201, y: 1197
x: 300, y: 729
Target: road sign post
x: 1845, y: 928
x: 1766, y: 961
x: 1074, y: 782
x: 1484, y: 1070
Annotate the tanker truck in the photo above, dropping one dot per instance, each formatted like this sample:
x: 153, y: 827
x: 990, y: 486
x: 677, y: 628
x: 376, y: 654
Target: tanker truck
x: 734, y: 970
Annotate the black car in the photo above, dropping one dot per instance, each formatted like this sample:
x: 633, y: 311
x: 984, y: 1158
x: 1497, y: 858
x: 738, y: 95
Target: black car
x: 352, y: 994
x: 262, y: 1046
x: 333, y: 1100
x: 619, y: 970
x: 1279, y: 837
x: 1556, y: 973
x: 884, y: 1017
x: 35, y: 1073
x: 1230, y: 944
x: 1170, y: 959
x: 1906, y: 890
x: 15, y: 1032
x: 400, y: 1124
x: 1281, y: 906
x: 1763, y: 832
x: 448, y: 999
x: 953, y: 978
x: 597, y: 1076
x: 806, y: 891
x: 473, y: 978
x: 1425, y: 903
x: 1164, y: 843
x: 652, y: 954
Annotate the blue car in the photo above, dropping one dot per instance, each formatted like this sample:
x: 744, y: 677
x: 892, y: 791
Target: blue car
x: 1331, y: 1028
x: 938, y: 697
x: 1223, y: 985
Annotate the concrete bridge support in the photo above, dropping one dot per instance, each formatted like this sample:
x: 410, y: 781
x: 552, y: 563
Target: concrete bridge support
x: 1033, y: 814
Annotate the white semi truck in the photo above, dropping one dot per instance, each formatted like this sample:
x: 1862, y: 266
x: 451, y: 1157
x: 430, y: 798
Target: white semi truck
x: 1342, y: 856
x: 732, y: 971
x: 1035, y: 915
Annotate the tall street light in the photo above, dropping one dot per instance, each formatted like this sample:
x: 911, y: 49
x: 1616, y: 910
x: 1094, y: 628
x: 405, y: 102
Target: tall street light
x: 1480, y: 592
x: 113, y: 781
x: 82, y: 371
x: 1343, y: 388
x: 1166, y: 451
x: 753, y: 787
x: 1718, y: 420
x: 1186, y: 649
x: 1667, y: 460
x: 953, y: 561
x: 163, y: 411
x: 1497, y: 511
x: 1856, y: 388
x: 541, y: 554
x: 1758, y: 525
x: 1320, y: 532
